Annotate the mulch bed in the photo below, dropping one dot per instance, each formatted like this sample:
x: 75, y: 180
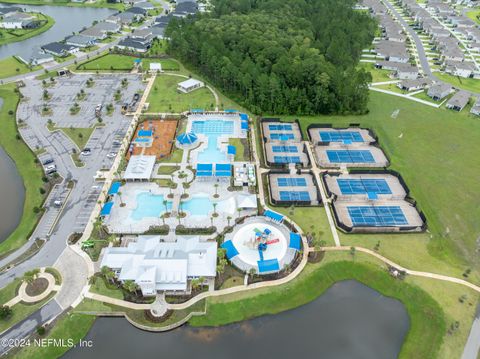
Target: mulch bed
x: 38, y: 286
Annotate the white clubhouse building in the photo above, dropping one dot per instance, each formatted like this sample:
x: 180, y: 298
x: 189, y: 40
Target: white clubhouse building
x: 162, y: 266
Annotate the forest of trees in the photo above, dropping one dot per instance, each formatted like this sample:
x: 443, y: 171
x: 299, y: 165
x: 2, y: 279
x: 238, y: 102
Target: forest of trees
x: 280, y: 56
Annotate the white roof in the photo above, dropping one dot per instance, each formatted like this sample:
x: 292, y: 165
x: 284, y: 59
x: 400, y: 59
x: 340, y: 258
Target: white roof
x: 140, y: 167
x: 190, y: 83
x: 247, y: 201
x: 155, y: 66
x: 166, y: 265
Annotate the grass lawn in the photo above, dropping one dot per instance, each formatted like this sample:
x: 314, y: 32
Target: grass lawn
x: 117, y: 62
x: 167, y: 170
x: 377, y: 75
x: 71, y: 326
x: 427, y: 320
x: 310, y: 219
x: 101, y: 287
x: 9, y: 36
x: 174, y: 157
x: 423, y: 96
x: 79, y: 136
x: 22, y: 310
x: 24, y: 161
x: 436, y: 152
x: 164, y: 96
x: 460, y: 82
x: 10, y: 66
x: 240, y: 155
x: 9, y: 291
x: 392, y: 87
x: 232, y: 282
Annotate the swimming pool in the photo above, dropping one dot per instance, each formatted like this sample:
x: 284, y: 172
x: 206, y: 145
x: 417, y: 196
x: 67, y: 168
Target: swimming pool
x: 149, y: 205
x: 213, y: 129
x: 202, y: 205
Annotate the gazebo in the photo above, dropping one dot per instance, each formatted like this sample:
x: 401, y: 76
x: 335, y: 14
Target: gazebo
x: 186, y: 140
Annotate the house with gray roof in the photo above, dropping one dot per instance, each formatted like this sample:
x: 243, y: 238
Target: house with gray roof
x: 94, y: 33
x: 413, y: 85
x: 439, y: 91
x: 458, y: 101
x: 145, y: 5
x: 476, y: 107
x: 107, y: 27
x: 81, y: 41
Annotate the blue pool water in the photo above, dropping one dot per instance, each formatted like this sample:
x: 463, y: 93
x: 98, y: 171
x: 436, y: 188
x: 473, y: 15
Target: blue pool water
x: 149, y: 205
x: 212, y: 129
x: 198, y: 206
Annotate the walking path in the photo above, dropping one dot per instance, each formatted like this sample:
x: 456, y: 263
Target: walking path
x: 24, y: 297
x: 318, y: 176
x: 428, y: 103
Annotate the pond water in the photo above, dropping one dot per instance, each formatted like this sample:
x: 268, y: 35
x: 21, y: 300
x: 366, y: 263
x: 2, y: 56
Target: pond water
x: 350, y: 321
x: 67, y: 20
x: 12, y: 194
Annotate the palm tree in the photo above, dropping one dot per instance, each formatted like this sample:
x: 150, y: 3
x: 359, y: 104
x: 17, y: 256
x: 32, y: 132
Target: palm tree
x: 107, y: 273
x: 30, y: 276
x: 120, y: 196
x: 163, y: 218
x: 216, y: 189
x: 215, y: 208
x: 229, y: 218
x: 130, y: 286
x: 195, y: 283
x: 211, y: 221
x: 165, y: 202
x: 239, y: 210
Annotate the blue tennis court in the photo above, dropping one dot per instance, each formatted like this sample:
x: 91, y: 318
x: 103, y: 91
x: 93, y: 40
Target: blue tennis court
x: 341, y: 136
x: 280, y: 127
x: 294, y: 196
x: 287, y: 149
x: 363, y: 186
x: 291, y: 182
x: 350, y: 156
x: 282, y: 136
x: 286, y: 159
x: 376, y: 216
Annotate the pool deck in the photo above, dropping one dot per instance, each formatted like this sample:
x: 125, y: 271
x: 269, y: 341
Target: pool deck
x: 120, y: 220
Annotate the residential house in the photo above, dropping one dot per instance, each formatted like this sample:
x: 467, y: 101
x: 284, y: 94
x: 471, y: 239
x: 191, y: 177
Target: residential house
x: 439, y: 91
x: 460, y: 68
x: 10, y: 10
x: 413, y: 85
x: 59, y: 49
x: 81, y: 41
x: 458, y: 101
x: 146, y: 5
x: 133, y: 45
x: 476, y: 107
x: 137, y: 11
x: 94, y: 33
x: 37, y: 58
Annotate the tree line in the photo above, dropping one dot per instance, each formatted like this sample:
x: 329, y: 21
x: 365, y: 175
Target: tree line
x: 280, y: 56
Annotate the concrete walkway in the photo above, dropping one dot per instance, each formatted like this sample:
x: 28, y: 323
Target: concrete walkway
x: 24, y: 297
x: 318, y: 176
x: 411, y: 98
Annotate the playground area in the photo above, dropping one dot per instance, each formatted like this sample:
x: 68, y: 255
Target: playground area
x: 261, y: 244
x: 153, y: 138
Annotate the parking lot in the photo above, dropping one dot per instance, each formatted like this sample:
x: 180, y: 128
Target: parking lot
x: 87, y: 207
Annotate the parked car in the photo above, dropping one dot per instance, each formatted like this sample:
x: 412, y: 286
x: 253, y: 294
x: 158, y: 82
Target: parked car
x: 111, y: 155
x: 57, y: 203
x: 50, y: 169
x: 47, y: 161
x: 86, y: 152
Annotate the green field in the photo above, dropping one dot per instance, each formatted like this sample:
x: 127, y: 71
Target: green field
x: 10, y: 66
x: 377, y: 75
x: 14, y: 35
x: 24, y: 161
x: 436, y: 152
x: 164, y: 96
x: 427, y: 320
x: 124, y: 63
x: 469, y: 84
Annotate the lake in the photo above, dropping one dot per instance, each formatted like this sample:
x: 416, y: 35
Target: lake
x: 12, y: 194
x: 67, y: 20
x: 349, y: 321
